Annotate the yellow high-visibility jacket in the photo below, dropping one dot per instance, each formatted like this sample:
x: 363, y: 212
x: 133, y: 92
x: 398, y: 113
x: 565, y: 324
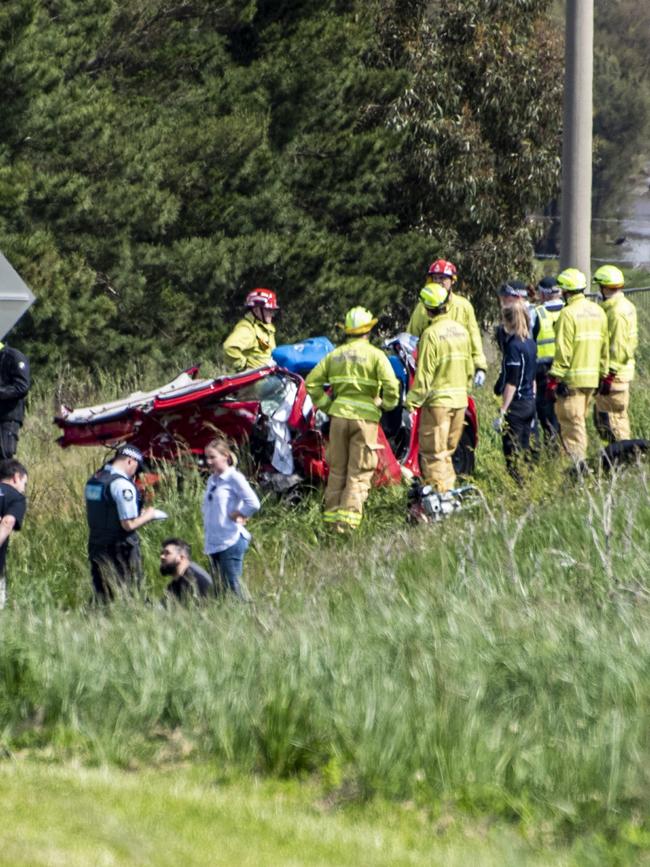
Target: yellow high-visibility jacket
x: 358, y: 373
x: 249, y: 344
x: 581, y: 343
x: 623, y: 335
x: 460, y: 310
x: 546, y: 335
x: 445, y: 367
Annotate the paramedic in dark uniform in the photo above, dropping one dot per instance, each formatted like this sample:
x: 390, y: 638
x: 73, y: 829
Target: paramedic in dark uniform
x: 14, y: 385
x: 13, y: 480
x: 114, y: 516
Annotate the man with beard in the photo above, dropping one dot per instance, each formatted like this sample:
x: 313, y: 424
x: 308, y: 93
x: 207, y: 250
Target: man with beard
x: 189, y: 580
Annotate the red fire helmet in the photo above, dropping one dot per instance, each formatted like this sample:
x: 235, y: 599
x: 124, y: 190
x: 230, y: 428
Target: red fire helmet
x: 265, y: 298
x: 443, y: 268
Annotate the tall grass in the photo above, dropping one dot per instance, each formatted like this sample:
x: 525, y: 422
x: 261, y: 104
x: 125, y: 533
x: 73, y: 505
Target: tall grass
x: 499, y: 660
x: 465, y: 667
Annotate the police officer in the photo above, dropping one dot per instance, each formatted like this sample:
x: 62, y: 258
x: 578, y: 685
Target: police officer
x: 516, y: 387
x: 581, y: 360
x: 113, y: 509
x: 442, y: 379
x: 514, y: 293
x: 546, y: 315
x: 613, y: 397
x: 14, y: 385
x: 252, y: 340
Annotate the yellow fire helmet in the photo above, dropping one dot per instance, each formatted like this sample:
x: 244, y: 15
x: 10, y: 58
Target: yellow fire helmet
x: 572, y: 280
x: 433, y: 296
x: 610, y: 277
x: 358, y: 320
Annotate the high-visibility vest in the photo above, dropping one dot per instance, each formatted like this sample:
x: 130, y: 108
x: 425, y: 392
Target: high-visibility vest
x: 250, y: 344
x: 623, y: 335
x: 546, y: 335
x: 358, y: 373
x: 581, y: 343
x: 445, y: 368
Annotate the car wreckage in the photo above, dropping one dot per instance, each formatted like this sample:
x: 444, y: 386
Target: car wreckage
x: 267, y: 411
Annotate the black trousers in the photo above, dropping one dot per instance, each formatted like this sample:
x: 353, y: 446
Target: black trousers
x: 546, y: 410
x: 519, y: 422
x: 115, y: 568
x: 9, y: 432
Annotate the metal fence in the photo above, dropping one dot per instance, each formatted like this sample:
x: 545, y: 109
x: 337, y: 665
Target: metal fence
x: 640, y: 297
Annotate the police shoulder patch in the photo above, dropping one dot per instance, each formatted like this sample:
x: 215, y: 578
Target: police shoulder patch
x: 94, y: 492
x: 127, y: 493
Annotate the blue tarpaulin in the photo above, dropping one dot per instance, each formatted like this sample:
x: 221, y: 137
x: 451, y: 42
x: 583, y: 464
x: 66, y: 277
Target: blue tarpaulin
x: 304, y: 356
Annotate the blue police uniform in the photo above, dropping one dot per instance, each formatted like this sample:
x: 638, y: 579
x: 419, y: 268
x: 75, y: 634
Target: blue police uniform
x: 518, y: 368
x: 114, y: 553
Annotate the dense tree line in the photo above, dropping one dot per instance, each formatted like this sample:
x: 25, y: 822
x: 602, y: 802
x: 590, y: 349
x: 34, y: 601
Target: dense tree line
x: 621, y: 98
x: 160, y: 157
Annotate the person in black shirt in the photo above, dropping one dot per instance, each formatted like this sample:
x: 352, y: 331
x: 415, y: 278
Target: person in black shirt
x: 13, y: 480
x: 14, y: 385
x: 516, y: 386
x: 189, y: 581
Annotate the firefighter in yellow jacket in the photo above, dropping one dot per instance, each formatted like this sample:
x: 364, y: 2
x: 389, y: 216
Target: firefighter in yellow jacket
x: 581, y: 360
x: 252, y: 340
x: 459, y: 309
x: 442, y: 379
x: 362, y: 385
x: 613, y: 397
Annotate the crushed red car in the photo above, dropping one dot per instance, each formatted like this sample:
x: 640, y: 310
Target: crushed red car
x: 267, y: 409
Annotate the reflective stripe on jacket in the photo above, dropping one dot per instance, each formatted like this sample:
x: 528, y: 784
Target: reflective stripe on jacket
x: 358, y: 373
x: 249, y: 344
x: 460, y: 310
x: 581, y: 343
x: 546, y: 335
x: 445, y: 367
x: 623, y: 335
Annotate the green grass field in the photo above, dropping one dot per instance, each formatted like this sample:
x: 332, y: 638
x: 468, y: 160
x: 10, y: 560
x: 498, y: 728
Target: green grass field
x: 76, y: 816
x: 477, y: 690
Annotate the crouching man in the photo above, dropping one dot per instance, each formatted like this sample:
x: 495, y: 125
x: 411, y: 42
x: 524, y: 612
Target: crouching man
x: 189, y: 581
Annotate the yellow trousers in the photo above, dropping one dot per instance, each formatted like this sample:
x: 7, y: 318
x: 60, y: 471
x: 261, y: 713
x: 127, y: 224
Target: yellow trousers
x: 352, y: 458
x: 441, y: 428
x: 612, y: 419
x: 571, y: 412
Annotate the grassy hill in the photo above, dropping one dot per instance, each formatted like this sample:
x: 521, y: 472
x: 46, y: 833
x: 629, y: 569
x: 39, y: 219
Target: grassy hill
x: 493, y: 669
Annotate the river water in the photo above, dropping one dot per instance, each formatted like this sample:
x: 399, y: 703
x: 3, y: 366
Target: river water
x: 634, y: 251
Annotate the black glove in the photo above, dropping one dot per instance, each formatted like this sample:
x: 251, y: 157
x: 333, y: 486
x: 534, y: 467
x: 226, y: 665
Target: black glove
x: 605, y: 386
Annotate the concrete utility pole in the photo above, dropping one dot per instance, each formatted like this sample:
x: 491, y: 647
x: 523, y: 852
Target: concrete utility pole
x: 575, y: 239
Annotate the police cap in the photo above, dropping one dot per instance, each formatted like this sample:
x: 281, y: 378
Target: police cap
x: 128, y: 451
x: 514, y: 289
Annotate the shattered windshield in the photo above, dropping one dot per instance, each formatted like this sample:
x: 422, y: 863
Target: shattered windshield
x: 271, y: 392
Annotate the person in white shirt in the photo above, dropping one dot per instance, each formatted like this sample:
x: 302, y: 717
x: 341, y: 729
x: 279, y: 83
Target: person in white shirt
x: 228, y: 504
